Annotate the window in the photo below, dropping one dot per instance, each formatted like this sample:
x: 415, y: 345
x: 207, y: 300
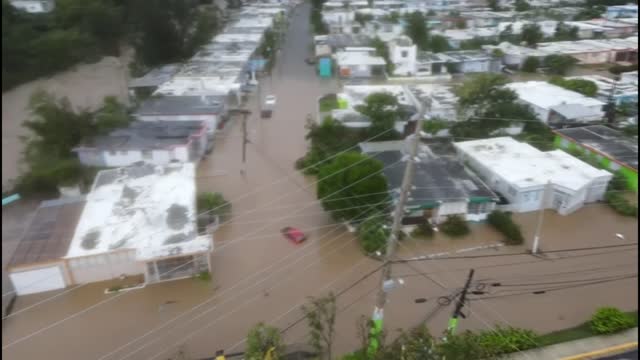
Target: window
x: 404, y: 53
x: 147, y: 154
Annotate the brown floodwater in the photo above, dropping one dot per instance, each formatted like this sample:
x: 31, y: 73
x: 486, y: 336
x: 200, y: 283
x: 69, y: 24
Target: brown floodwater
x: 259, y: 276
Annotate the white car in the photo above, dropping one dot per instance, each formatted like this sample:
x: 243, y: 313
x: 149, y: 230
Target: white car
x: 270, y: 101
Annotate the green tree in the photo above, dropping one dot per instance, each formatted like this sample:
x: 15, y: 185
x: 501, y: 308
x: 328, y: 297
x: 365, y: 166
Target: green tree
x: 111, y: 115
x: 417, y: 30
x: 214, y: 203
x: 261, y: 339
x: 530, y: 64
x: 373, y: 234
x: 494, y: 5
x: 584, y: 87
x: 383, y: 110
x: 531, y: 34
x: 591, y: 12
x: 321, y: 318
x: 462, y: 346
x: 559, y: 64
x: 565, y: 32
x: 439, y: 43
x: 327, y: 139
x: 522, y: 5
x: 455, y: 226
x: 362, y: 19
x: 351, y: 184
x: 382, y: 50
x: 481, y: 89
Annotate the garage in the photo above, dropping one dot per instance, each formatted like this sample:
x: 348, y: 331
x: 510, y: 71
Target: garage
x: 38, y: 280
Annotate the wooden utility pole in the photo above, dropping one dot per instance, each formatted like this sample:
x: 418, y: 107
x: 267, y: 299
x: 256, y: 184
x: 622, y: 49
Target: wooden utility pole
x: 457, y: 312
x: 386, y: 281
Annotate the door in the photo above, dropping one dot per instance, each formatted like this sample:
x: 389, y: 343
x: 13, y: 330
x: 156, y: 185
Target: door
x: 38, y: 280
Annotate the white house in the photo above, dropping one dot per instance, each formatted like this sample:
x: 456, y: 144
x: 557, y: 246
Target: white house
x: 531, y: 179
x: 622, y: 11
x: 156, y: 142
x: 555, y: 104
x: 359, y: 62
x: 136, y: 220
x: 403, y: 53
x: 440, y: 100
x: 623, y: 91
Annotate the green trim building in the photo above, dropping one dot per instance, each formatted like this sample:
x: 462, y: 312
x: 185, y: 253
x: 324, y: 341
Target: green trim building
x: 606, y: 147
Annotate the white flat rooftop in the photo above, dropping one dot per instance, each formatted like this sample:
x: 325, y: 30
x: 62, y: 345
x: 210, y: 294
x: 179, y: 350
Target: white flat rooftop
x: 184, y: 86
x: 355, y: 94
x: 149, y: 208
x: 352, y: 58
x: 525, y: 166
x: 546, y: 96
x: 227, y: 38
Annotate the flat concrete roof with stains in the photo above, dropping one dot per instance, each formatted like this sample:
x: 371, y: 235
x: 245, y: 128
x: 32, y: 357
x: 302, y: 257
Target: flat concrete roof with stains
x: 606, y: 141
x: 48, y: 236
x: 145, y: 207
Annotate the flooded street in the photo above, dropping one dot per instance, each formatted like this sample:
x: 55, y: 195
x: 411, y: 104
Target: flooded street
x: 84, y: 85
x: 259, y: 276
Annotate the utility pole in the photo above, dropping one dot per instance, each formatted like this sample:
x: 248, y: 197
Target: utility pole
x: 457, y: 312
x: 543, y: 205
x: 611, y: 103
x: 385, y: 281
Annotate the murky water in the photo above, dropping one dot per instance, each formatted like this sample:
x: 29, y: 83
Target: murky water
x: 259, y: 276
x: 85, y: 86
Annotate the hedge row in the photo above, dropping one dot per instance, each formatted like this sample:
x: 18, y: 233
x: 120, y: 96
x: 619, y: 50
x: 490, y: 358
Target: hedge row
x: 502, y: 222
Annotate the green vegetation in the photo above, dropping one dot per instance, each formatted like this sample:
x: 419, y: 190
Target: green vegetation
x: 115, y: 288
x: 373, y: 234
x: 530, y: 64
x: 315, y: 18
x: 590, y: 12
x: 352, y: 185
x: 56, y: 129
x: 327, y: 139
x: 417, y: 30
x: 584, y: 87
x: 362, y: 19
x: 76, y: 31
x: 383, y: 110
x: 439, y: 43
x: 531, y: 34
x: 204, y: 276
x: 321, y: 318
x: 565, y: 32
x: 382, y: 50
x: 581, y: 331
x: 559, y: 64
x: 423, y: 230
x: 213, y: 203
x: 455, y: 226
x: 619, y: 69
x: 615, y: 195
x: 476, y: 43
x: 494, y: 5
x: 262, y: 340
x: 434, y: 125
x: 502, y: 222
x: 522, y: 5
x: 328, y: 103
x: 609, y: 320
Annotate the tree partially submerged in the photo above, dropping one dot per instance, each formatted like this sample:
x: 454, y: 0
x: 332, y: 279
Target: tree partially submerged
x: 262, y: 340
x: 321, y: 318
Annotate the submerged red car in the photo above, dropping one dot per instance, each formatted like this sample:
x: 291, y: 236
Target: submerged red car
x: 293, y: 234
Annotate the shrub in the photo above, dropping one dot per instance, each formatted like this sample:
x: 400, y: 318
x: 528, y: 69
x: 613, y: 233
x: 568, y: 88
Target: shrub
x: 373, y: 235
x: 531, y: 64
x: 618, y: 69
x: 423, y: 230
x: 213, y: 202
x: 608, y: 320
x: 621, y: 205
x: 506, y: 340
x: 502, y: 222
x: 455, y: 226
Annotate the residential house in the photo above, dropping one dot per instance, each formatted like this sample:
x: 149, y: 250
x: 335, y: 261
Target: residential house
x: 456, y: 37
x: 147, y: 84
x: 402, y: 54
x: 137, y: 220
x: 210, y: 109
x: 442, y: 187
x: 622, y: 11
x: 156, y: 142
x: 608, y: 148
x: 531, y: 179
x: 472, y: 61
x: 615, y: 29
x: 359, y: 62
x: 555, y: 105
x: 487, y: 19
x: 439, y: 100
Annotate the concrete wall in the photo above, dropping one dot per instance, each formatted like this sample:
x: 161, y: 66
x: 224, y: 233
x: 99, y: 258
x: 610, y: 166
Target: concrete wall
x: 102, y: 267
